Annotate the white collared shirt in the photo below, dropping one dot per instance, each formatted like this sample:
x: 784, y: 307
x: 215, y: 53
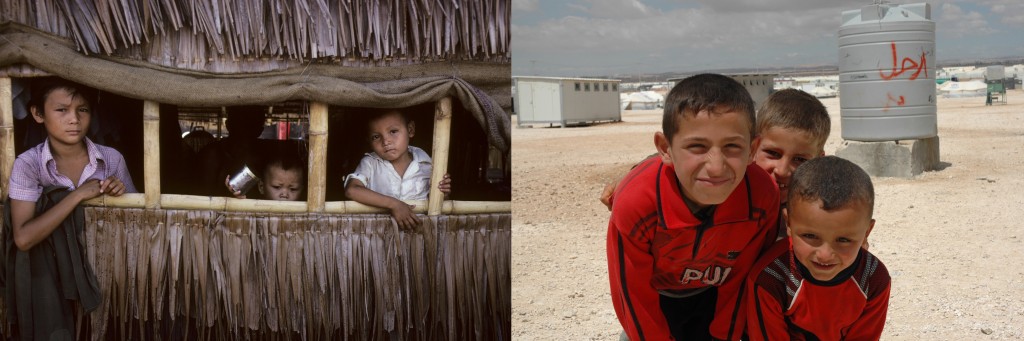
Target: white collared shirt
x: 380, y: 176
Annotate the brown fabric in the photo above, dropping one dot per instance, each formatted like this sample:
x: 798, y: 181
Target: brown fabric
x: 323, y: 276
x: 475, y: 85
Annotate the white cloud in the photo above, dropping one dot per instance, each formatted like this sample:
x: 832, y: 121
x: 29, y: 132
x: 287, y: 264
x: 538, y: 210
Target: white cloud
x: 1010, y: 12
x: 614, y: 9
x: 525, y: 5
x: 695, y: 38
x: 958, y: 23
x: 603, y: 37
x: 775, y: 5
x: 695, y: 28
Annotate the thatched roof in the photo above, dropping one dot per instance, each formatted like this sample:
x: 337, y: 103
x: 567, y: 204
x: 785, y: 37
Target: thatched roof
x: 260, y: 35
x: 358, y: 53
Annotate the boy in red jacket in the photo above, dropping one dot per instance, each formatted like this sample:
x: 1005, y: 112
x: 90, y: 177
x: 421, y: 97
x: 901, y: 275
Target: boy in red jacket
x: 820, y: 284
x: 686, y: 228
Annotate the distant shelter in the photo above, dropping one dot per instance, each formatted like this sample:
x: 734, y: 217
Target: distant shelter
x: 565, y: 101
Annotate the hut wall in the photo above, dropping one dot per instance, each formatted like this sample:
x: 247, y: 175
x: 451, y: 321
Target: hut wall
x: 319, y: 276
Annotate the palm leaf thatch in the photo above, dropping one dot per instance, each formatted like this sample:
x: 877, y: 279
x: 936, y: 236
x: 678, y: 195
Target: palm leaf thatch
x: 284, y: 276
x: 252, y: 36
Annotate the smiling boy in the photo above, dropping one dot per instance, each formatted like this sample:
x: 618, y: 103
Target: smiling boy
x: 792, y: 129
x: 687, y: 226
x: 820, y: 284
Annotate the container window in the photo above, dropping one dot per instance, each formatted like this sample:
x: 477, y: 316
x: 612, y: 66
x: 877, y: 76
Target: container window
x: 586, y: 87
x: 577, y: 86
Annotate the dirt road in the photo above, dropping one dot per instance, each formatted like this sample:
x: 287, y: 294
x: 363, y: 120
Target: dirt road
x: 953, y: 239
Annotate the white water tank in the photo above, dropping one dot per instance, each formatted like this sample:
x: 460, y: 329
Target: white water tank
x: 887, y: 73
x: 995, y: 72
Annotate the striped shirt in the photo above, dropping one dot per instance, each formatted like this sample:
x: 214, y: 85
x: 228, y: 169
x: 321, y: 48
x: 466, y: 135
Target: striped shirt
x: 786, y: 303
x: 36, y: 169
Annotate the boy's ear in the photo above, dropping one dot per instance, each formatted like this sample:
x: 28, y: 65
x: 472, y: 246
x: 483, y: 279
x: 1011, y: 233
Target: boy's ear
x: 662, y: 143
x: 411, y: 126
x: 785, y: 217
x: 754, y: 144
x: 870, y: 227
x: 36, y: 115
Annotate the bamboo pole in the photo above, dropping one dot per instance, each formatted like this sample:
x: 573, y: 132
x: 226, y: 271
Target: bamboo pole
x: 192, y: 202
x: 353, y: 207
x: 151, y: 156
x: 317, y: 189
x: 442, y: 139
x: 127, y: 200
x: 475, y: 207
x: 6, y: 134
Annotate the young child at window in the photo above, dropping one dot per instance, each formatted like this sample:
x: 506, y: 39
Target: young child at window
x: 283, y: 178
x: 394, y: 171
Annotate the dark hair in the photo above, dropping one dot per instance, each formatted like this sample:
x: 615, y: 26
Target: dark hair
x: 833, y: 180
x: 377, y: 114
x: 285, y: 162
x: 42, y: 88
x: 795, y: 109
x: 712, y: 92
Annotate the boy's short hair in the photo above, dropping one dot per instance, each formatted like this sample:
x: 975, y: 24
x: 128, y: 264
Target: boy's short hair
x: 709, y: 92
x: 44, y: 86
x: 377, y: 114
x: 285, y: 162
x: 795, y: 109
x: 835, y: 181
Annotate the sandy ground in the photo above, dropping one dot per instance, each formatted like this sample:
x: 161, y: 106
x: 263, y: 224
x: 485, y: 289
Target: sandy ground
x: 952, y: 239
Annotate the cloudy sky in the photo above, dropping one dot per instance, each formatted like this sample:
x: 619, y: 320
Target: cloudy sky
x: 619, y: 37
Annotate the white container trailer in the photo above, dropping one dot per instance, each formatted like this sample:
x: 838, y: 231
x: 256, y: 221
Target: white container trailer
x: 565, y: 101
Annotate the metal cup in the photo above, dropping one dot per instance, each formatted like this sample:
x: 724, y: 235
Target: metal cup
x: 243, y: 181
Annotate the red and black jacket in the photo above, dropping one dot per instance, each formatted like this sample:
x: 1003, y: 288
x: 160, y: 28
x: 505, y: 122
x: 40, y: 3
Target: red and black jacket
x: 657, y: 246
x: 786, y: 303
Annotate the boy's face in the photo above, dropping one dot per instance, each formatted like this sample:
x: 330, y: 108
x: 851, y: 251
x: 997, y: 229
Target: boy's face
x: 780, y: 150
x: 710, y: 153
x: 389, y: 136
x: 282, y: 184
x: 65, y: 117
x: 826, y: 242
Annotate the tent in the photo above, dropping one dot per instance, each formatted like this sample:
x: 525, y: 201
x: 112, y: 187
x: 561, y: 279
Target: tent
x: 643, y: 100
x: 963, y: 89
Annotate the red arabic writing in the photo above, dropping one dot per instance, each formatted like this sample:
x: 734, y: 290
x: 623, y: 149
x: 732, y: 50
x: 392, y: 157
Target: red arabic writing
x: 905, y: 65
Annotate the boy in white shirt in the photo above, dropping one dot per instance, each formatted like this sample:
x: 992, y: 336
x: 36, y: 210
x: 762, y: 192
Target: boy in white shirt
x: 394, y: 171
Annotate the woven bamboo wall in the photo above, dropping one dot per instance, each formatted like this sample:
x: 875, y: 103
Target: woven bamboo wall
x: 240, y: 276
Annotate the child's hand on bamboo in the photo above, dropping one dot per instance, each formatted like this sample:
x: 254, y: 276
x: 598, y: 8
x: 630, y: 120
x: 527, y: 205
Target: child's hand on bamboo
x: 445, y: 185
x: 404, y: 216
